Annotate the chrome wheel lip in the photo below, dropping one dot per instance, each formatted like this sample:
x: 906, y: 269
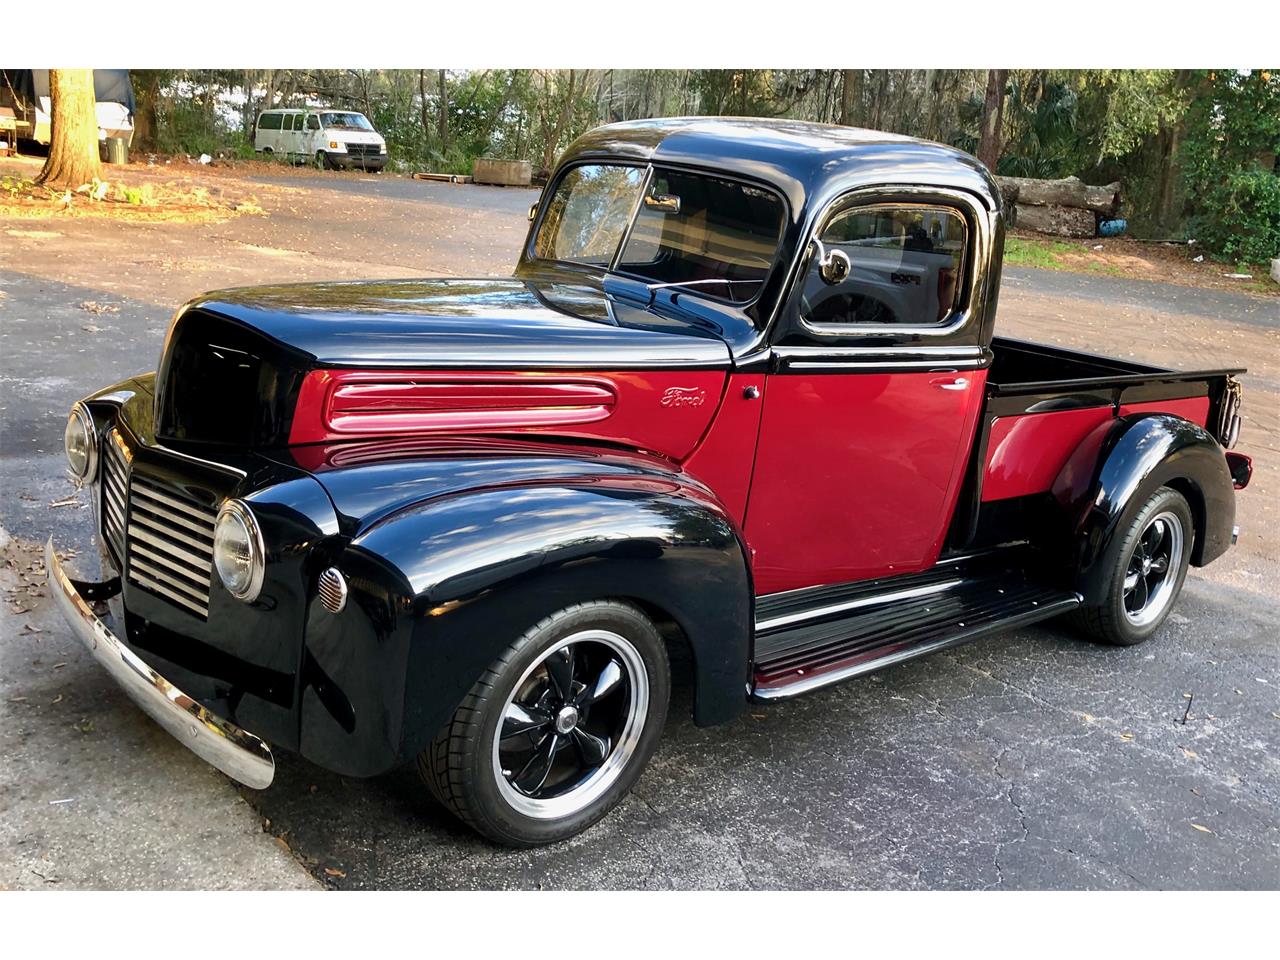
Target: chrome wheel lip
x: 1160, y: 595
x: 606, y: 775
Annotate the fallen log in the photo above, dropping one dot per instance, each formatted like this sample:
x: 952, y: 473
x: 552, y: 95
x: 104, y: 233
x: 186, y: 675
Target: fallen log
x: 1071, y: 192
x: 1057, y: 220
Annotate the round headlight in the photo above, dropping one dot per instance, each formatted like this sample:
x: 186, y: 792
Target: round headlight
x: 80, y: 441
x: 238, y: 553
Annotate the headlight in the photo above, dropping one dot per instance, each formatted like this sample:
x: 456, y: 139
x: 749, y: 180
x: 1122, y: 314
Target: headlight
x: 382, y: 148
x: 237, y: 550
x: 81, y: 443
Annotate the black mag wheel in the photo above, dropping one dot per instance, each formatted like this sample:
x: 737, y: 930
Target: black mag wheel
x: 1152, y: 573
x: 571, y: 724
x: 1148, y: 565
x: 558, y: 729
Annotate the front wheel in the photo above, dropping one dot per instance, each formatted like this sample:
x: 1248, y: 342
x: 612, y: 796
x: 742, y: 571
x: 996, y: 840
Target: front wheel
x: 322, y: 161
x: 558, y: 729
x: 1147, y: 565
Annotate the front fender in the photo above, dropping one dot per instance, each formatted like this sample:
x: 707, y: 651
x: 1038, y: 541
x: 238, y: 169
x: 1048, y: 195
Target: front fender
x: 439, y: 588
x: 1137, y: 455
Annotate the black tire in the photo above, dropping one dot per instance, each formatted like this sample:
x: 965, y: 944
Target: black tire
x: 1130, y: 611
x: 465, y: 766
x: 322, y: 161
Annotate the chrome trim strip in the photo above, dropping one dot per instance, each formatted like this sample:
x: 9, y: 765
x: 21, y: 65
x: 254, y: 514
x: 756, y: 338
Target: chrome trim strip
x: 939, y: 365
x: 183, y: 563
x: 143, y: 488
x: 236, y: 752
x: 151, y: 524
x: 145, y: 579
x: 763, y: 626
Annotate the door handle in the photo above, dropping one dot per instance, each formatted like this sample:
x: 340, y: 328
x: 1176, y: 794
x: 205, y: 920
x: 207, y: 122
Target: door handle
x: 959, y: 383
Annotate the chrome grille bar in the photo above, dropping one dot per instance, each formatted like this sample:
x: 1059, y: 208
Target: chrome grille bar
x: 169, y: 543
x: 115, y: 472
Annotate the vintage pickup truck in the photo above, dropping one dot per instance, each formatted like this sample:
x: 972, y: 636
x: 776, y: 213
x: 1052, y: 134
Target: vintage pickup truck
x: 741, y: 400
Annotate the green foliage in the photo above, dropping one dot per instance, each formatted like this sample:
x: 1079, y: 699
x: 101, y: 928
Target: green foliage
x: 1240, y: 217
x: 1230, y: 164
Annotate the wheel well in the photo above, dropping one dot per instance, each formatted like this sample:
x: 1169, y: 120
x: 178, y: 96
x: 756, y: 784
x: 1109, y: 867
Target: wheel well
x: 1195, y: 500
x: 679, y: 649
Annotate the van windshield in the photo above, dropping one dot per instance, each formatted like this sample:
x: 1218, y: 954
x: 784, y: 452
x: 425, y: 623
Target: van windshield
x: 345, y: 121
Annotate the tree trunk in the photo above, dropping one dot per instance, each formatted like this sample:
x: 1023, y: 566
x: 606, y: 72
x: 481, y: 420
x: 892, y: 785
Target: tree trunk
x: 146, y: 83
x: 73, y: 149
x: 442, y: 117
x: 992, y: 118
x: 553, y: 141
x: 850, y: 92
x: 1055, y: 220
x: 1071, y: 192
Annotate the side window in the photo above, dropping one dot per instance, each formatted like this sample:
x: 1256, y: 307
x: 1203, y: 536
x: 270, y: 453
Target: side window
x: 905, y: 264
x: 290, y: 121
x: 269, y: 121
x: 313, y: 122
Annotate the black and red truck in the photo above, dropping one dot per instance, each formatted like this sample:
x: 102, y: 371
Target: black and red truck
x: 742, y: 397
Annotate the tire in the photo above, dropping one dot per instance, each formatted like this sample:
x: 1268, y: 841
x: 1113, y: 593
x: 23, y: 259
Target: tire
x: 322, y: 160
x: 566, y: 761
x: 1148, y: 565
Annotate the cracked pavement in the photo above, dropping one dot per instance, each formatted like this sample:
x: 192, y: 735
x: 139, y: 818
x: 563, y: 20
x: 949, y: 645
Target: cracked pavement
x: 1031, y: 760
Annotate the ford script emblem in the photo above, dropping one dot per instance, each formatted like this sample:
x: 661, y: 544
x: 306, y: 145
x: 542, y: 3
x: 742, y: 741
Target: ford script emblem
x: 683, y: 397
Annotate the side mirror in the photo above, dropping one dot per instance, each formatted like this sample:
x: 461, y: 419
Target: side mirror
x: 833, y: 265
x: 533, y: 212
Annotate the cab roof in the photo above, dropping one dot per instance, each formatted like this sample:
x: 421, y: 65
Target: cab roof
x: 806, y: 161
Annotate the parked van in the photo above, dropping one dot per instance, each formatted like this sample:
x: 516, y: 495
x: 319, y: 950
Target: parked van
x: 331, y: 138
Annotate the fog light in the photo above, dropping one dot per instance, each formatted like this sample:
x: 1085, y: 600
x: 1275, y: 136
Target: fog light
x: 238, y: 553
x: 79, y: 439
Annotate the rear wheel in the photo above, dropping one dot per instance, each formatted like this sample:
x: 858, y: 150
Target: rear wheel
x: 558, y: 729
x: 1148, y: 566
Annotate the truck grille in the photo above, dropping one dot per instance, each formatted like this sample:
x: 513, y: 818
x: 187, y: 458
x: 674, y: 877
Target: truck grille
x: 363, y: 149
x: 170, y: 544
x: 115, y: 485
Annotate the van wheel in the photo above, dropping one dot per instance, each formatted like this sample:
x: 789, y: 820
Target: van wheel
x: 557, y: 730
x: 1148, y: 565
x: 322, y: 161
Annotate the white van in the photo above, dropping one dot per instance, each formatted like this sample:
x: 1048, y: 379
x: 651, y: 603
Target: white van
x: 331, y: 138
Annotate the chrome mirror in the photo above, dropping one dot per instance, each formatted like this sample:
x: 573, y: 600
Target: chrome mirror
x: 664, y: 203
x: 833, y: 265
x: 533, y: 211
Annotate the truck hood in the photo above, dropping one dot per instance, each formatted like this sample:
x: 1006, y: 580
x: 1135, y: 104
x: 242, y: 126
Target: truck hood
x: 258, y: 367
x: 469, y: 323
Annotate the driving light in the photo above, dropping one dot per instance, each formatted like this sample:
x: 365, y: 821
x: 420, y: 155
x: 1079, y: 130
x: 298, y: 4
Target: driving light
x: 238, y: 553
x: 333, y: 144
x: 81, y: 444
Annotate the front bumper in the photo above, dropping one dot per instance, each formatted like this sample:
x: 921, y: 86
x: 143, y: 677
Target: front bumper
x: 346, y: 161
x: 236, y: 752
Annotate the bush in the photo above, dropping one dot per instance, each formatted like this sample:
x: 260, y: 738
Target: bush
x: 1239, y: 217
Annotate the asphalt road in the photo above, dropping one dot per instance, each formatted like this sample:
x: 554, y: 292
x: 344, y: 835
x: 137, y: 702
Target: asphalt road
x: 1032, y: 760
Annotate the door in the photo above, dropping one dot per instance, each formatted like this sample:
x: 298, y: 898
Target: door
x: 872, y: 400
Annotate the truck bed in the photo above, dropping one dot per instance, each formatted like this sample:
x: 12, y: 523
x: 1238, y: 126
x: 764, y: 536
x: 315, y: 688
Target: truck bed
x: 1044, y: 401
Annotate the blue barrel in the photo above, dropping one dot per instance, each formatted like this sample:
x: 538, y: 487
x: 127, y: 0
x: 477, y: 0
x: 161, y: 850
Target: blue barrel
x: 1112, y: 228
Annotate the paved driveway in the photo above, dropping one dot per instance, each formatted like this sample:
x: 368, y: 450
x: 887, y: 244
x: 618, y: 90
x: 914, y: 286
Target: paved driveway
x: 1030, y: 760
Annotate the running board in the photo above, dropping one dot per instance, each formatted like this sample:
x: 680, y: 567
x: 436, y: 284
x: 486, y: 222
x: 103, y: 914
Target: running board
x: 812, y: 638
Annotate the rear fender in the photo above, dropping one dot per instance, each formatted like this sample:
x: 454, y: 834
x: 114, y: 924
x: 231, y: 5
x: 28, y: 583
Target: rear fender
x: 1131, y: 458
x: 438, y: 589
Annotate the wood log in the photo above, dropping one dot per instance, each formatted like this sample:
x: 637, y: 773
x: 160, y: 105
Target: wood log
x: 1057, y: 220
x: 1071, y: 192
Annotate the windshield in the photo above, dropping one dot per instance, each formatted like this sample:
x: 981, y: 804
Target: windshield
x: 716, y: 236
x: 345, y: 121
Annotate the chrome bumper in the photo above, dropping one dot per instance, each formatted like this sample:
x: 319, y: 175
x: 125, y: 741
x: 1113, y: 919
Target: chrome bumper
x: 237, y: 753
